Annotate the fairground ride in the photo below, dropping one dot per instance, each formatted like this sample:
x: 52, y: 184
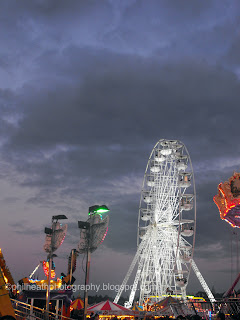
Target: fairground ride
x: 6, y: 283
x: 166, y: 227
x: 228, y: 203
x: 228, y: 200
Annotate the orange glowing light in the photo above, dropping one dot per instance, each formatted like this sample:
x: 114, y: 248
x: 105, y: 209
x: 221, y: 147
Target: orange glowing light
x: 228, y: 200
x: 46, y: 270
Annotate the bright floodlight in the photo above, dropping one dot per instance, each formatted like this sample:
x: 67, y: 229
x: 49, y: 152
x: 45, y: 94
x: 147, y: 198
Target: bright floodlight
x: 98, y: 209
x: 102, y: 209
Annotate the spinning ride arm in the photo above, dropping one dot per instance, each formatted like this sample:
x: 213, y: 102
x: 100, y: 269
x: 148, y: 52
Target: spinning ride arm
x: 230, y: 290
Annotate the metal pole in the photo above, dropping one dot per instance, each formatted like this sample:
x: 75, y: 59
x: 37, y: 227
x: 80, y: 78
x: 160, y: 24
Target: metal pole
x: 71, y: 267
x: 31, y: 308
x: 237, y: 253
x: 231, y: 256
x: 50, y: 269
x: 49, y: 284
x: 61, y: 309
x: 56, y: 309
x: 87, y: 276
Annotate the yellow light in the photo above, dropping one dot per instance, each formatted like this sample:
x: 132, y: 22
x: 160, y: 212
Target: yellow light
x: 5, y: 278
x: 59, y: 284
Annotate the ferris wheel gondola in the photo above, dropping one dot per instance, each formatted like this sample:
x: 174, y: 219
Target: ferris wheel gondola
x: 166, y: 227
x: 169, y: 215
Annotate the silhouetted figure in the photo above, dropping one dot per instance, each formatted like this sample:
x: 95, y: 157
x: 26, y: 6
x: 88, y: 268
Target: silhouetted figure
x: 220, y: 316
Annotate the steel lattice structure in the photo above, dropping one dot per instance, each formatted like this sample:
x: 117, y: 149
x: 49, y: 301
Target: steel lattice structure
x: 167, y: 216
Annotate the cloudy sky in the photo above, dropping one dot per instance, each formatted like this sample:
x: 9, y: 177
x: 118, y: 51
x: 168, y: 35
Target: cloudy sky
x: 86, y: 90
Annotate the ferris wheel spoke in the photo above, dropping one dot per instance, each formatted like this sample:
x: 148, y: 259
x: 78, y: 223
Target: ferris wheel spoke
x: 167, y: 214
x: 163, y: 212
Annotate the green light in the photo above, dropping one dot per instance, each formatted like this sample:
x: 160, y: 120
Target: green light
x: 102, y: 210
x: 98, y: 209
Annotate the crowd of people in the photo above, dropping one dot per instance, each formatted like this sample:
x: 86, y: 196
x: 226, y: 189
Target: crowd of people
x: 219, y: 316
x: 78, y: 314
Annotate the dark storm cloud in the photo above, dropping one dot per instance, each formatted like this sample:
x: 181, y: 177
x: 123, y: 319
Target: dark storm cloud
x: 126, y: 99
x: 108, y: 121
x: 88, y: 88
x: 122, y: 232
x: 101, y: 126
x: 232, y: 55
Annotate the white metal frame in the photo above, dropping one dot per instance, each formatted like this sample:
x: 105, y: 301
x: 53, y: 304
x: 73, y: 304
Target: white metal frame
x: 167, y: 216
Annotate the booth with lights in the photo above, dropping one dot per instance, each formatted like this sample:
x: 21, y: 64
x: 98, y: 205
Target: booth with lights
x: 34, y: 291
x: 53, y: 294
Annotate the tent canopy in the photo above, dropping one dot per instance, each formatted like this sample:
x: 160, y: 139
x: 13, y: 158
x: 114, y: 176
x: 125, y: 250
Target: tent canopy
x: 136, y: 307
x: 164, y: 303
x: 108, y: 307
x: 77, y: 304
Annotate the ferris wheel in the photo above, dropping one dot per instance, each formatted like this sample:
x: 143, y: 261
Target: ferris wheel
x: 167, y: 216
x: 166, y: 226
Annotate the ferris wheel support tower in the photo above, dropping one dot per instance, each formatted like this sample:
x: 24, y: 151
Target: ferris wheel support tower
x: 167, y: 216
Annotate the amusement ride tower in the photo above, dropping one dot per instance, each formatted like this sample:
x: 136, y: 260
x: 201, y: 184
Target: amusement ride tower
x: 166, y: 227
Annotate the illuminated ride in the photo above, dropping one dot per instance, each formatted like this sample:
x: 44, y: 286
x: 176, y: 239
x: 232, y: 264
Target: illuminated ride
x: 228, y: 200
x: 228, y: 203
x: 60, y: 288
x: 37, y: 289
x: 166, y: 227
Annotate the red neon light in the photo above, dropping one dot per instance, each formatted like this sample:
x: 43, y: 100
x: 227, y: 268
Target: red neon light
x: 104, y: 235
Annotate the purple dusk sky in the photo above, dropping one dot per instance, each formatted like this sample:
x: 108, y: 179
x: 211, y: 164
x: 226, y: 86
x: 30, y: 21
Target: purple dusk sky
x: 87, y: 88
